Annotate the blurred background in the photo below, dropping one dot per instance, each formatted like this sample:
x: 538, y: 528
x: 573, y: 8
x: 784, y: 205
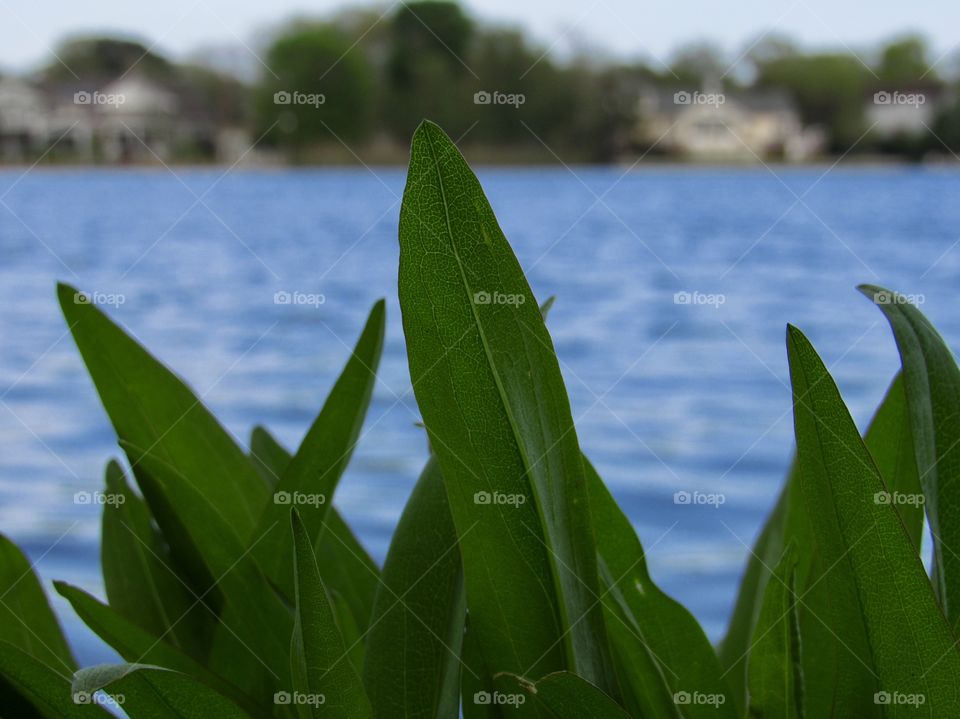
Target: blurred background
x: 686, y: 178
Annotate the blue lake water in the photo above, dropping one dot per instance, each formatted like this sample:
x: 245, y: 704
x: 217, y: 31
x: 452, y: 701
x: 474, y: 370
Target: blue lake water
x: 668, y: 396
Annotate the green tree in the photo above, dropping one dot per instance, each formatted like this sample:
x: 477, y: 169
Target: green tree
x: 904, y: 62
x: 316, y: 85
x: 102, y: 59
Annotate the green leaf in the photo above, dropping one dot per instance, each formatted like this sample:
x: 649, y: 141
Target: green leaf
x: 477, y: 683
x: 419, y: 613
x: 346, y: 567
x: 30, y: 688
x: 321, y: 668
x: 775, y: 668
x: 319, y: 463
x: 932, y: 386
x: 152, y: 408
x: 250, y: 642
x: 138, y: 572
x: 566, y: 696
x: 873, y: 567
x: 137, y: 645
x: 149, y: 692
x: 489, y: 387
x: 268, y: 456
x: 890, y: 441
x: 662, y: 652
x: 26, y: 620
x: 886, y: 440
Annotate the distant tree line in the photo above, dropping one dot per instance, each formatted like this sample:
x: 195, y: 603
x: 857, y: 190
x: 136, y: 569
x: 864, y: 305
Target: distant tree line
x: 358, y: 79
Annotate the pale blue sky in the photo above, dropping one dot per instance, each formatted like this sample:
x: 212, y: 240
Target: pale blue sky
x: 625, y: 27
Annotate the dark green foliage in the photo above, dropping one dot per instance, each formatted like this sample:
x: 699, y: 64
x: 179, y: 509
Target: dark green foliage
x: 514, y: 584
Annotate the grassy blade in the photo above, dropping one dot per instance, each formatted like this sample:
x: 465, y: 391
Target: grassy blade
x: 250, y: 643
x: 890, y: 441
x: 139, y: 575
x: 910, y: 648
x: 268, y: 455
x: 30, y: 688
x: 566, y: 696
x: 775, y: 668
x: 149, y: 692
x: 136, y: 645
x: 886, y: 438
x: 659, y: 644
x: 152, y: 408
x: 26, y: 620
x: 932, y: 386
x: 345, y: 565
x: 323, y: 455
x: 418, y: 617
x: 489, y: 387
x: 319, y: 661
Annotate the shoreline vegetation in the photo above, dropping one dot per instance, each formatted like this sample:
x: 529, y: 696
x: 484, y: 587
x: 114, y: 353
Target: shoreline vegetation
x: 349, y: 87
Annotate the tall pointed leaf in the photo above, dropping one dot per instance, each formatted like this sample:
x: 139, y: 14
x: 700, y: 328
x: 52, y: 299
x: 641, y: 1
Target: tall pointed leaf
x: 662, y: 651
x: 320, y: 666
x: 323, y: 455
x: 932, y: 386
x: 26, y: 620
x: 30, y: 688
x: 418, y: 618
x: 268, y: 455
x: 489, y: 387
x: 909, y: 646
x: 775, y: 668
x: 149, y: 692
x: 345, y: 565
x: 138, y: 572
x: 152, y: 408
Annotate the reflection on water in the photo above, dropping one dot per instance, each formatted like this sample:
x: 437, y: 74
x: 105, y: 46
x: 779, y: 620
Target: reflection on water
x: 673, y: 286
